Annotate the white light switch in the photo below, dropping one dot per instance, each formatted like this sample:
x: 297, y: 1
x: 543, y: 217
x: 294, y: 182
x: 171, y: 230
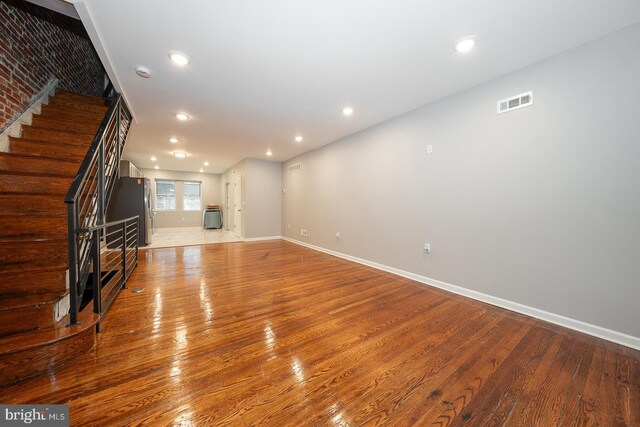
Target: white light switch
x: 429, y: 149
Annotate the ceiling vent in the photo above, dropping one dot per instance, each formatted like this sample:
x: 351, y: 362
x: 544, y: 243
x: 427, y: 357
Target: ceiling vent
x: 515, y: 102
x: 295, y: 168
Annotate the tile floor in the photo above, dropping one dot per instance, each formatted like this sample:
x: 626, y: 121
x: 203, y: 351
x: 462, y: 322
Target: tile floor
x: 186, y: 236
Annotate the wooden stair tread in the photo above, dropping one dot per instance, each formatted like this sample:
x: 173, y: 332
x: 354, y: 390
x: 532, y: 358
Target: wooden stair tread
x: 29, y: 340
x: 56, y: 136
x: 76, y: 107
x: 43, y: 149
x: 13, y: 183
x: 80, y: 97
x: 32, y: 203
x: 62, y: 146
x: 40, y: 122
x: 67, y: 117
x: 25, y: 254
x: 72, y: 117
x: 14, y: 301
x: 62, y: 110
x: 33, y: 266
x: 33, y: 225
x: 31, y: 353
x: 50, y: 280
x: 37, y: 166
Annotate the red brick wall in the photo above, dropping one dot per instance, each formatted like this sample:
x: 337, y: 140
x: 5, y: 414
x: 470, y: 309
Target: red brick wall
x: 36, y: 45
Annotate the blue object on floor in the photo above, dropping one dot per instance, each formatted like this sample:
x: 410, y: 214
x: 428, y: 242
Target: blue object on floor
x: 212, y: 218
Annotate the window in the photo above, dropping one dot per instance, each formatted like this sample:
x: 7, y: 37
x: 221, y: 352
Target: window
x: 192, y: 196
x: 165, y: 195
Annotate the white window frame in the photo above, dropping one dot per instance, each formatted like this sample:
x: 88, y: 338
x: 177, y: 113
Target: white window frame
x: 184, y: 196
x: 175, y: 196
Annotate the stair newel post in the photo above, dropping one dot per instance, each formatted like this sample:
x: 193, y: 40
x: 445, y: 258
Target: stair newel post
x: 124, y: 253
x: 97, y: 291
x: 73, y: 264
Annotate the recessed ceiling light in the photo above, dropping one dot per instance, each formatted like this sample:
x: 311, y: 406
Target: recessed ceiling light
x: 465, y: 44
x: 206, y: 163
x: 173, y: 140
x: 180, y: 154
x: 201, y: 170
x: 347, y: 111
x: 182, y: 116
x: 156, y: 167
x: 153, y: 158
x: 179, y: 58
x: 299, y: 138
x: 269, y: 152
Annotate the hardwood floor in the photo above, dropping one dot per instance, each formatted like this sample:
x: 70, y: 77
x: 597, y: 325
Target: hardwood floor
x: 270, y: 333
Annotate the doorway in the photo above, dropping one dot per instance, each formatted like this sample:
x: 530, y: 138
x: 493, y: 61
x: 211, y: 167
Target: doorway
x: 227, y: 203
x: 237, y: 204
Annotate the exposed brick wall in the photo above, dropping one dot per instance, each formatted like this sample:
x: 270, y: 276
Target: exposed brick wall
x: 36, y: 45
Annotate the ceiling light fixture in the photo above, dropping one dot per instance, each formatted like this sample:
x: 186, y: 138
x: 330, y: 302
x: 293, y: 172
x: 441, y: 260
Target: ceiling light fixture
x: 206, y: 163
x: 156, y: 167
x: 179, y: 58
x: 143, y: 72
x: 201, y: 170
x: 299, y: 138
x: 465, y: 44
x: 173, y: 140
x: 153, y: 158
x: 182, y: 116
x: 347, y: 111
x: 179, y: 154
x: 269, y: 153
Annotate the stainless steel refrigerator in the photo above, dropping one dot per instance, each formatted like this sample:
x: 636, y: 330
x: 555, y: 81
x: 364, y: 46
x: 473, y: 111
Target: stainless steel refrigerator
x: 131, y: 197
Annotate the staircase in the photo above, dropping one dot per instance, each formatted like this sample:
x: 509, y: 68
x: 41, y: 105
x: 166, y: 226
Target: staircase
x: 35, y: 176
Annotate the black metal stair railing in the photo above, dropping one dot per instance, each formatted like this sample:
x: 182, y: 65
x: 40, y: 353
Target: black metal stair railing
x: 87, y: 200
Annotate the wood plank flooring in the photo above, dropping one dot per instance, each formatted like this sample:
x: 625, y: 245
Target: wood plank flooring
x: 273, y: 334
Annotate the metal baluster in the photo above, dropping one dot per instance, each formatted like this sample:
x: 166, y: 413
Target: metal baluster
x: 97, y: 279
x: 73, y: 265
x: 124, y: 254
x: 101, y: 183
x: 117, y: 145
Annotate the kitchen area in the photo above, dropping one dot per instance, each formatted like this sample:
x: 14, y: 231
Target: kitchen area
x: 175, y: 208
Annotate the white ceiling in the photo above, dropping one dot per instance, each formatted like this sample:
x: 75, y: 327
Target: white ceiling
x: 263, y: 71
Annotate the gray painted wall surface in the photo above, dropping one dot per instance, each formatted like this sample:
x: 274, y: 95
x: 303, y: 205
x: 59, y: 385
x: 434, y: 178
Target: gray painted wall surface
x: 540, y: 206
x: 261, y: 193
x: 210, y: 189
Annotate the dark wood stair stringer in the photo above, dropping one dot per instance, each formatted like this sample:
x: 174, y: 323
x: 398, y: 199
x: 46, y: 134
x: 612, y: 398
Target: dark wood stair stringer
x: 35, y: 175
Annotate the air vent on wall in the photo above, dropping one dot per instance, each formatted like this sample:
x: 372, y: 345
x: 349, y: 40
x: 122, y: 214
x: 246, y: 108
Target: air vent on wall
x: 515, y: 102
x: 295, y: 168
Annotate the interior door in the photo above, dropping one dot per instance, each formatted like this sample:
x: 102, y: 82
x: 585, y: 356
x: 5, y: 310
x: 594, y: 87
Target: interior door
x: 227, y: 217
x: 237, y: 205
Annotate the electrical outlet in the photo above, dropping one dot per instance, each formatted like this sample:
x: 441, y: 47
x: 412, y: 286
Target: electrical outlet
x: 303, y: 232
x: 338, y: 235
x: 288, y: 225
x: 429, y: 149
x: 427, y: 248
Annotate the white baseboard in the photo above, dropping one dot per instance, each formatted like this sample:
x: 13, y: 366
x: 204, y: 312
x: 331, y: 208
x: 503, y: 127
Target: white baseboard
x: 15, y: 128
x: 577, y: 325
x: 259, y: 239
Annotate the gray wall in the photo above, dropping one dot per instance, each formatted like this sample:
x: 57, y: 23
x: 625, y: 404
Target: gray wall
x: 540, y: 206
x: 261, y: 193
x: 210, y: 189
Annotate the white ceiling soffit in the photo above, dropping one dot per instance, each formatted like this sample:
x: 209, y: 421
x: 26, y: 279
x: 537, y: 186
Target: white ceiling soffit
x: 262, y: 72
x: 60, y: 6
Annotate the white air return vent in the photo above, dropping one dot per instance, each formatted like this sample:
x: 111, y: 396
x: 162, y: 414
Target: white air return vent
x: 295, y: 168
x: 515, y: 102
